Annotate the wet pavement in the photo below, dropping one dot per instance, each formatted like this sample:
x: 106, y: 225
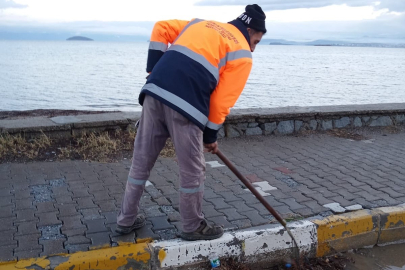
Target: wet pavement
x: 390, y: 257
x: 62, y: 207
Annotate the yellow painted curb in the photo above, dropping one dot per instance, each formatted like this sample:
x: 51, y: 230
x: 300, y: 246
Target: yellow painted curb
x: 347, y: 231
x: 130, y: 256
x: 392, y: 225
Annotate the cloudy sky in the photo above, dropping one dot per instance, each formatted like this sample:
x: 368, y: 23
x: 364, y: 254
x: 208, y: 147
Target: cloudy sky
x: 357, y: 20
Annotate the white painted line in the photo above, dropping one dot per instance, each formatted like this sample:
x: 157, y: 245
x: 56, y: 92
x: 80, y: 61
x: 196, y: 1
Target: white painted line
x: 264, y: 186
x: 335, y: 207
x: 261, y: 192
x: 354, y: 207
x: 214, y: 164
x: 148, y: 183
x: 250, y: 242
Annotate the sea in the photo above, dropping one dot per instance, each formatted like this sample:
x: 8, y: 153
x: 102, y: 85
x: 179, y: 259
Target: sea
x: 82, y: 75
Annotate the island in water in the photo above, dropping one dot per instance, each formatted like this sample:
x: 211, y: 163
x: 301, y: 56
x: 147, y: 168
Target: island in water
x: 80, y: 38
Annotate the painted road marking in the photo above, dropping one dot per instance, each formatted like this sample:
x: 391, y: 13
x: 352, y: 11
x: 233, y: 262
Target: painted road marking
x: 335, y: 207
x: 354, y: 207
x: 214, y: 164
x: 264, y: 186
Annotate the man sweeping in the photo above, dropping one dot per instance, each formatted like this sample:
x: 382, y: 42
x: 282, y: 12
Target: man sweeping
x: 192, y: 85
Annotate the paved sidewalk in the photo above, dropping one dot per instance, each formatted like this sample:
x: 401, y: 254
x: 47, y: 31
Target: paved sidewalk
x: 62, y: 207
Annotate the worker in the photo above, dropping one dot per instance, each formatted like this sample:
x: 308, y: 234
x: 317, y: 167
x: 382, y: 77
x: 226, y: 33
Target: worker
x: 198, y: 70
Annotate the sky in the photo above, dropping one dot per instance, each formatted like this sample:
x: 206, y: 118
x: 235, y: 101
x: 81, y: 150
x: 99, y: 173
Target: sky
x: 297, y: 20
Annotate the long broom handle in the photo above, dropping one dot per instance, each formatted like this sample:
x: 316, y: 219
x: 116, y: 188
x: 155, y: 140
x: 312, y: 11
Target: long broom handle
x: 251, y: 188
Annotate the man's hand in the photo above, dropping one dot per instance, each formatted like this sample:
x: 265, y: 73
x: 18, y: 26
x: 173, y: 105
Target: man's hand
x: 211, y: 147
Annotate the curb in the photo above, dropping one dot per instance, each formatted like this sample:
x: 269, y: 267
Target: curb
x: 316, y: 237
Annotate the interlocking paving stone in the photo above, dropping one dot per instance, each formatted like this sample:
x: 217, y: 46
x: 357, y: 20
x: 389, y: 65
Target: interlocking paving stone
x: 90, y: 214
x: 242, y: 223
x: 278, y: 194
x: 22, y: 194
x: 80, y: 193
x: 74, y: 232
x: 315, y: 207
x: 66, y: 209
x: 305, y: 212
x: 101, y: 195
x: 210, y: 211
x: 228, y: 196
x: 241, y: 206
x: 221, y: 220
x: 99, y: 240
x: 23, y: 204
x: 255, y: 218
x: 52, y: 247
x: 231, y: 214
x: 319, y: 198
x: 44, y: 207
x: 7, y: 239
x: 27, y: 254
x: 6, y: 224
x: 160, y: 223
x: 110, y: 217
x: 6, y: 201
x: 219, y: 203
x: 153, y: 211
x: 392, y: 192
x: 66, y: 199
x: 107, y: 206
x: 46, y: 219
x: 27, y: 228
x: 367, y: 196
x: 27, y: 242
x: 77, y: 240
x: 6, y: 253
x: 248, y: 198
x: 72, y: 222
x: 84, y: 203
x: 25, y: 215
x: 76, y: 248
x: 292, y: 203
x: 146, y: 232
x: 95, y: 226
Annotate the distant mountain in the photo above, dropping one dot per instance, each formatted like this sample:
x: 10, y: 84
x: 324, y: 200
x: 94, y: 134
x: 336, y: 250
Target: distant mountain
x: 80, y: 38
x: 324, y: 42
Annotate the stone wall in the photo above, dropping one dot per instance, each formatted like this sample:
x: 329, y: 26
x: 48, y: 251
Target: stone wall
x: 241, y: 122
x: 292, y: 120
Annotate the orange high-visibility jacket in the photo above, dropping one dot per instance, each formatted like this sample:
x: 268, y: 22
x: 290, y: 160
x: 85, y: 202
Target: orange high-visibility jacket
x: 198, y: 68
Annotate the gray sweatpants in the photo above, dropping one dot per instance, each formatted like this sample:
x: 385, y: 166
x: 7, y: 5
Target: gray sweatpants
x: 159, y: 122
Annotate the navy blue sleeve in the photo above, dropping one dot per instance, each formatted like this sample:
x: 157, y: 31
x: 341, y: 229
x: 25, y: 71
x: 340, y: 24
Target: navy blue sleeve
x: 210, y: 135
x: 153, y: 58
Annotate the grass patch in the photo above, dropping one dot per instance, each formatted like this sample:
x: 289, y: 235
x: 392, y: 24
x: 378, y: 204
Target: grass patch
x: 102, y: 147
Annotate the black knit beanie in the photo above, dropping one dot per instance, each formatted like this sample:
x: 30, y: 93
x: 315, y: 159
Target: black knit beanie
x: 254, y: 17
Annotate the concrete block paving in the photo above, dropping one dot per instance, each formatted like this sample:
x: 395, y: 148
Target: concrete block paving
x: 49, y: 208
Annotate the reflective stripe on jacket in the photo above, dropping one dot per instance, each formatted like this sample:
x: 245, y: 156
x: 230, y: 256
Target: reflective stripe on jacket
x: 202, y: 73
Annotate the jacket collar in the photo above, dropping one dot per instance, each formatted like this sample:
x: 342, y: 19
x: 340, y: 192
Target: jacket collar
x: 242, y: 28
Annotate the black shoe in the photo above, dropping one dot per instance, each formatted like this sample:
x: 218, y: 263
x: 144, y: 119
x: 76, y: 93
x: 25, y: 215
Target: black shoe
x: 204, y: 232
x: 139, y: 222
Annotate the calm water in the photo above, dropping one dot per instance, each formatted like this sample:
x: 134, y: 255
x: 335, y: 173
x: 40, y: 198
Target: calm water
x: 109, y: 76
